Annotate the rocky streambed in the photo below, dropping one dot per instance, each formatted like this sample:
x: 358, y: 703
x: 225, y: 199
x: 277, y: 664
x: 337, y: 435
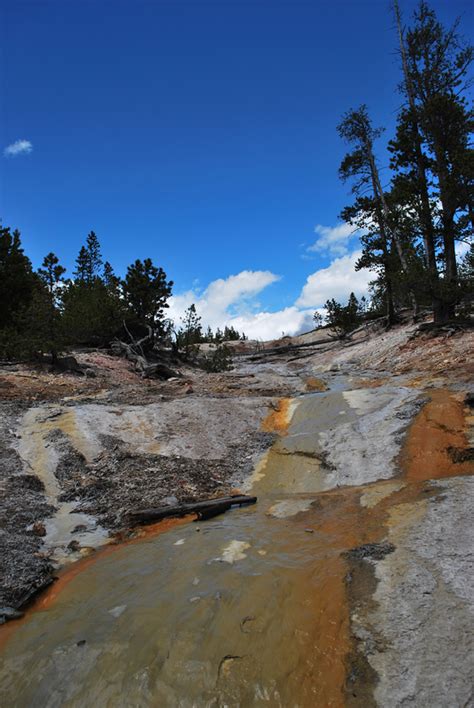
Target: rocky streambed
x: 347, y: 583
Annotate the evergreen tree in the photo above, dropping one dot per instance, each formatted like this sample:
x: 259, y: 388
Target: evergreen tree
x: 93, y: 307
x: 112, y: 282
x: 51, y: 274
x: 89, y: 261
x: 191, y: 332
x: 17, y: 280
x: 343, y: 318
x: 82, y: 267
x: 368, y: 212
x: 412, y: 180
x: 146, y: 291
x: 231, y: 334
x: 219, y: 360
x: 318, y: 320
x: 48, y: 316
x: 466, y: 279
x: 432, y: 148
x: 209, y: 336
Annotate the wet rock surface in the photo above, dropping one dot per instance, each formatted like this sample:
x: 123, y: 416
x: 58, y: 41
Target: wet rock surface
x: 22, y: 505
x: 70, y: 472
x: 373, y: 551
x: 425, y: 602
x: 114, y: 483
x: 394, y: 546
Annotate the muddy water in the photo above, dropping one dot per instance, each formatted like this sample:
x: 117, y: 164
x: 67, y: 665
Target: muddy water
x: 247, y: 609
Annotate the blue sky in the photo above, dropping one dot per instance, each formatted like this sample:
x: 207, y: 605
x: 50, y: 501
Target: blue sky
x: 201, y: 134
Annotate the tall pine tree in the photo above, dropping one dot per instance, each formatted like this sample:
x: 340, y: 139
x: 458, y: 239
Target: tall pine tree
x: 146, y: 291
x: 431, y: 151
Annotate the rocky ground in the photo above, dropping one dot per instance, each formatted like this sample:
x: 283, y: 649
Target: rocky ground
x: 77, y: 453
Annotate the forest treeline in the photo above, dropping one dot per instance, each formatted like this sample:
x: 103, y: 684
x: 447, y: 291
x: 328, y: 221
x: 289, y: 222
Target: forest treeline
x: 43, y: 312
x: 412, y: 221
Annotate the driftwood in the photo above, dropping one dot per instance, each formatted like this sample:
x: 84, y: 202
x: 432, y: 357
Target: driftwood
x: 204, y: 509
x: 288, y: 349
x: 134, y: 352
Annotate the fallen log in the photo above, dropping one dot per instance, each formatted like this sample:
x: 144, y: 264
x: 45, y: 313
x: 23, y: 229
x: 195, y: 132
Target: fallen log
x: 134, y: 352
x: 204, y: 509
x: 287, y: 349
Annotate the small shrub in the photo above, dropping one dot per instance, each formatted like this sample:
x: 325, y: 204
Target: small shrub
x: 219, y: 360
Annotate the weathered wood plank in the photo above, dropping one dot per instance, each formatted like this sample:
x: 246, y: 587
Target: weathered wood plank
x: 204, y: 509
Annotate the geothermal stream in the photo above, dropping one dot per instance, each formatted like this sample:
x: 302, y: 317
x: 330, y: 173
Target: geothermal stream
x: 264, y: 604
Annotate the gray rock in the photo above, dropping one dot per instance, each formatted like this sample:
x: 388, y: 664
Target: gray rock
x: 9, y: 613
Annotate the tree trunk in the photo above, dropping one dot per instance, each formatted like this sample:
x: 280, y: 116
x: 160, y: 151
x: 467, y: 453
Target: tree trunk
x: 134, y: 353
x: 425, y: 210
x: 448, y: 211
x: 379, y: 195
x: 204, y: 509
x: 386, y: 267
x: 390, y: 306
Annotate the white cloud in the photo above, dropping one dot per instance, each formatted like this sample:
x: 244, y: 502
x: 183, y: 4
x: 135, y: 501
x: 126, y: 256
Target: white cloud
x: 223, y: 299
x: 232, y: 301
x: 271, y: 325
x: 337, y: 281
x: 332, y: 240
x: 221, y: 293
x: 20, y: 147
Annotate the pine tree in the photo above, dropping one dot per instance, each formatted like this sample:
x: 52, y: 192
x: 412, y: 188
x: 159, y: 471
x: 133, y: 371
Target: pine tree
x: 191, y: 332
x: 112, y: 282
x: 372, y: 212
x: 89, y: 261
x: 434, y: 136
x: 93, y: 305
x: 231, y: 334
x: 146, y: 291
x: 343, y: 318
x: 82, y: 266
x: 219, y: 360
x: 48, y: 319
x: 209, y: 336
x: 318, y: 320
x: 466, y: 279
x: 412, y: 181
x: 17, y: 280
x: 51, y: 274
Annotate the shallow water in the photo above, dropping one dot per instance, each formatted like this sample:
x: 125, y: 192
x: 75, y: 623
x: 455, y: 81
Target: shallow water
x: 247, y: 609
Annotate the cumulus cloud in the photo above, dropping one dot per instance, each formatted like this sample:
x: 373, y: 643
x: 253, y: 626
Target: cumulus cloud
x: 232, y: 301
x: 225, y: 298
x: 333, y: 240
x: 270, y: 325
x: 236, y: 289
x: 337, y: 281
x: 19, y: 147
